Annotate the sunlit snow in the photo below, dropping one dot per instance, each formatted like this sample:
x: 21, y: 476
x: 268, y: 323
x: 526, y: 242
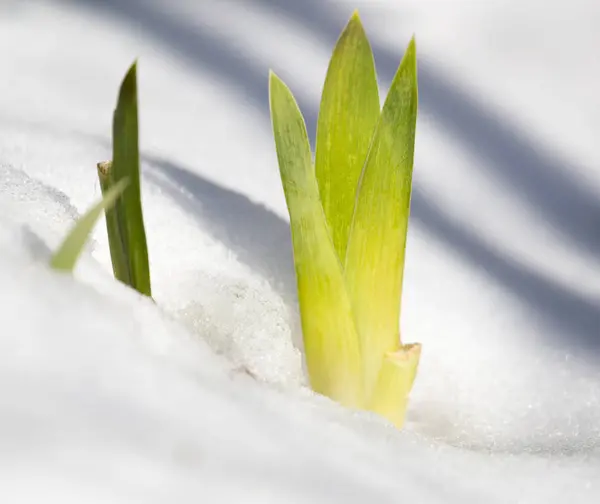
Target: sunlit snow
x: 106, y: 397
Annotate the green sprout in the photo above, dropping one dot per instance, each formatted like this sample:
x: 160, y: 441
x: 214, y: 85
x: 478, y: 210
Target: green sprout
x: 125, y: 221
x: 349, y: 215
x: 65, y: 258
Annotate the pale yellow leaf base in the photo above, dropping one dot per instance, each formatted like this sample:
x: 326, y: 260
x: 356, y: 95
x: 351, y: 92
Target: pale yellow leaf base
x: 395, y: 381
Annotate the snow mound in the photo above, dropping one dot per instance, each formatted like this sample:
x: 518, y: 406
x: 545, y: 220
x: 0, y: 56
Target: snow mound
x: 105, y: 396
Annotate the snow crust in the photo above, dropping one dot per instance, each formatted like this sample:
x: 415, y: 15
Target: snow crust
x: 106, y: 397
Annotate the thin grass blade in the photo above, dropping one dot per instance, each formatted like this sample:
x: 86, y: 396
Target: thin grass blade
x: 127, y: 233
x: 65, y: 258
x: 348, y: 114
x: 376, y: 248
x: 330, y: 339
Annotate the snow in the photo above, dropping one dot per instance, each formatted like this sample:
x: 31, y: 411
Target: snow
x: 106, y: 397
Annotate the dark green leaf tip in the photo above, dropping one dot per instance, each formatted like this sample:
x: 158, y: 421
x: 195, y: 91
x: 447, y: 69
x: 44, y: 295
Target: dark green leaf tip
x: 129, y: 84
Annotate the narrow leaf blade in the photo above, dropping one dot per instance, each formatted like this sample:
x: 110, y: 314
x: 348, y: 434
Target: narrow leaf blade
x: 114, y: 229
x: 376, y: 248
x: 348, y: 114
x: 126, y: 164
x: 330, y: 340
x: 65, y: 258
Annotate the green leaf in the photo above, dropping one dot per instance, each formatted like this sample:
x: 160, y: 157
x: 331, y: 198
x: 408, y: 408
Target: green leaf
x: 114, y: 229
x: 65, y: 258
x: 376, y: 248
x: 347, y: 117
x: 125, y: 224
x: 330, y: 339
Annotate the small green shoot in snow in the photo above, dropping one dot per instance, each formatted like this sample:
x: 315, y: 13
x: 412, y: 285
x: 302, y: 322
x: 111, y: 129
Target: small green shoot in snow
x: 125, y: 221
x: 349, y: 219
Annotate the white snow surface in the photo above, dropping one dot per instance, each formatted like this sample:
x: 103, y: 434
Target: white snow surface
x: 107, y: 397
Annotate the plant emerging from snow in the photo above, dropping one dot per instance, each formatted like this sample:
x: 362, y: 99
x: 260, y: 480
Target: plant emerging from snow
x: 348, y: 211
x: 121, y: 202
x: 125, y: 220
x: 349, y: 214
